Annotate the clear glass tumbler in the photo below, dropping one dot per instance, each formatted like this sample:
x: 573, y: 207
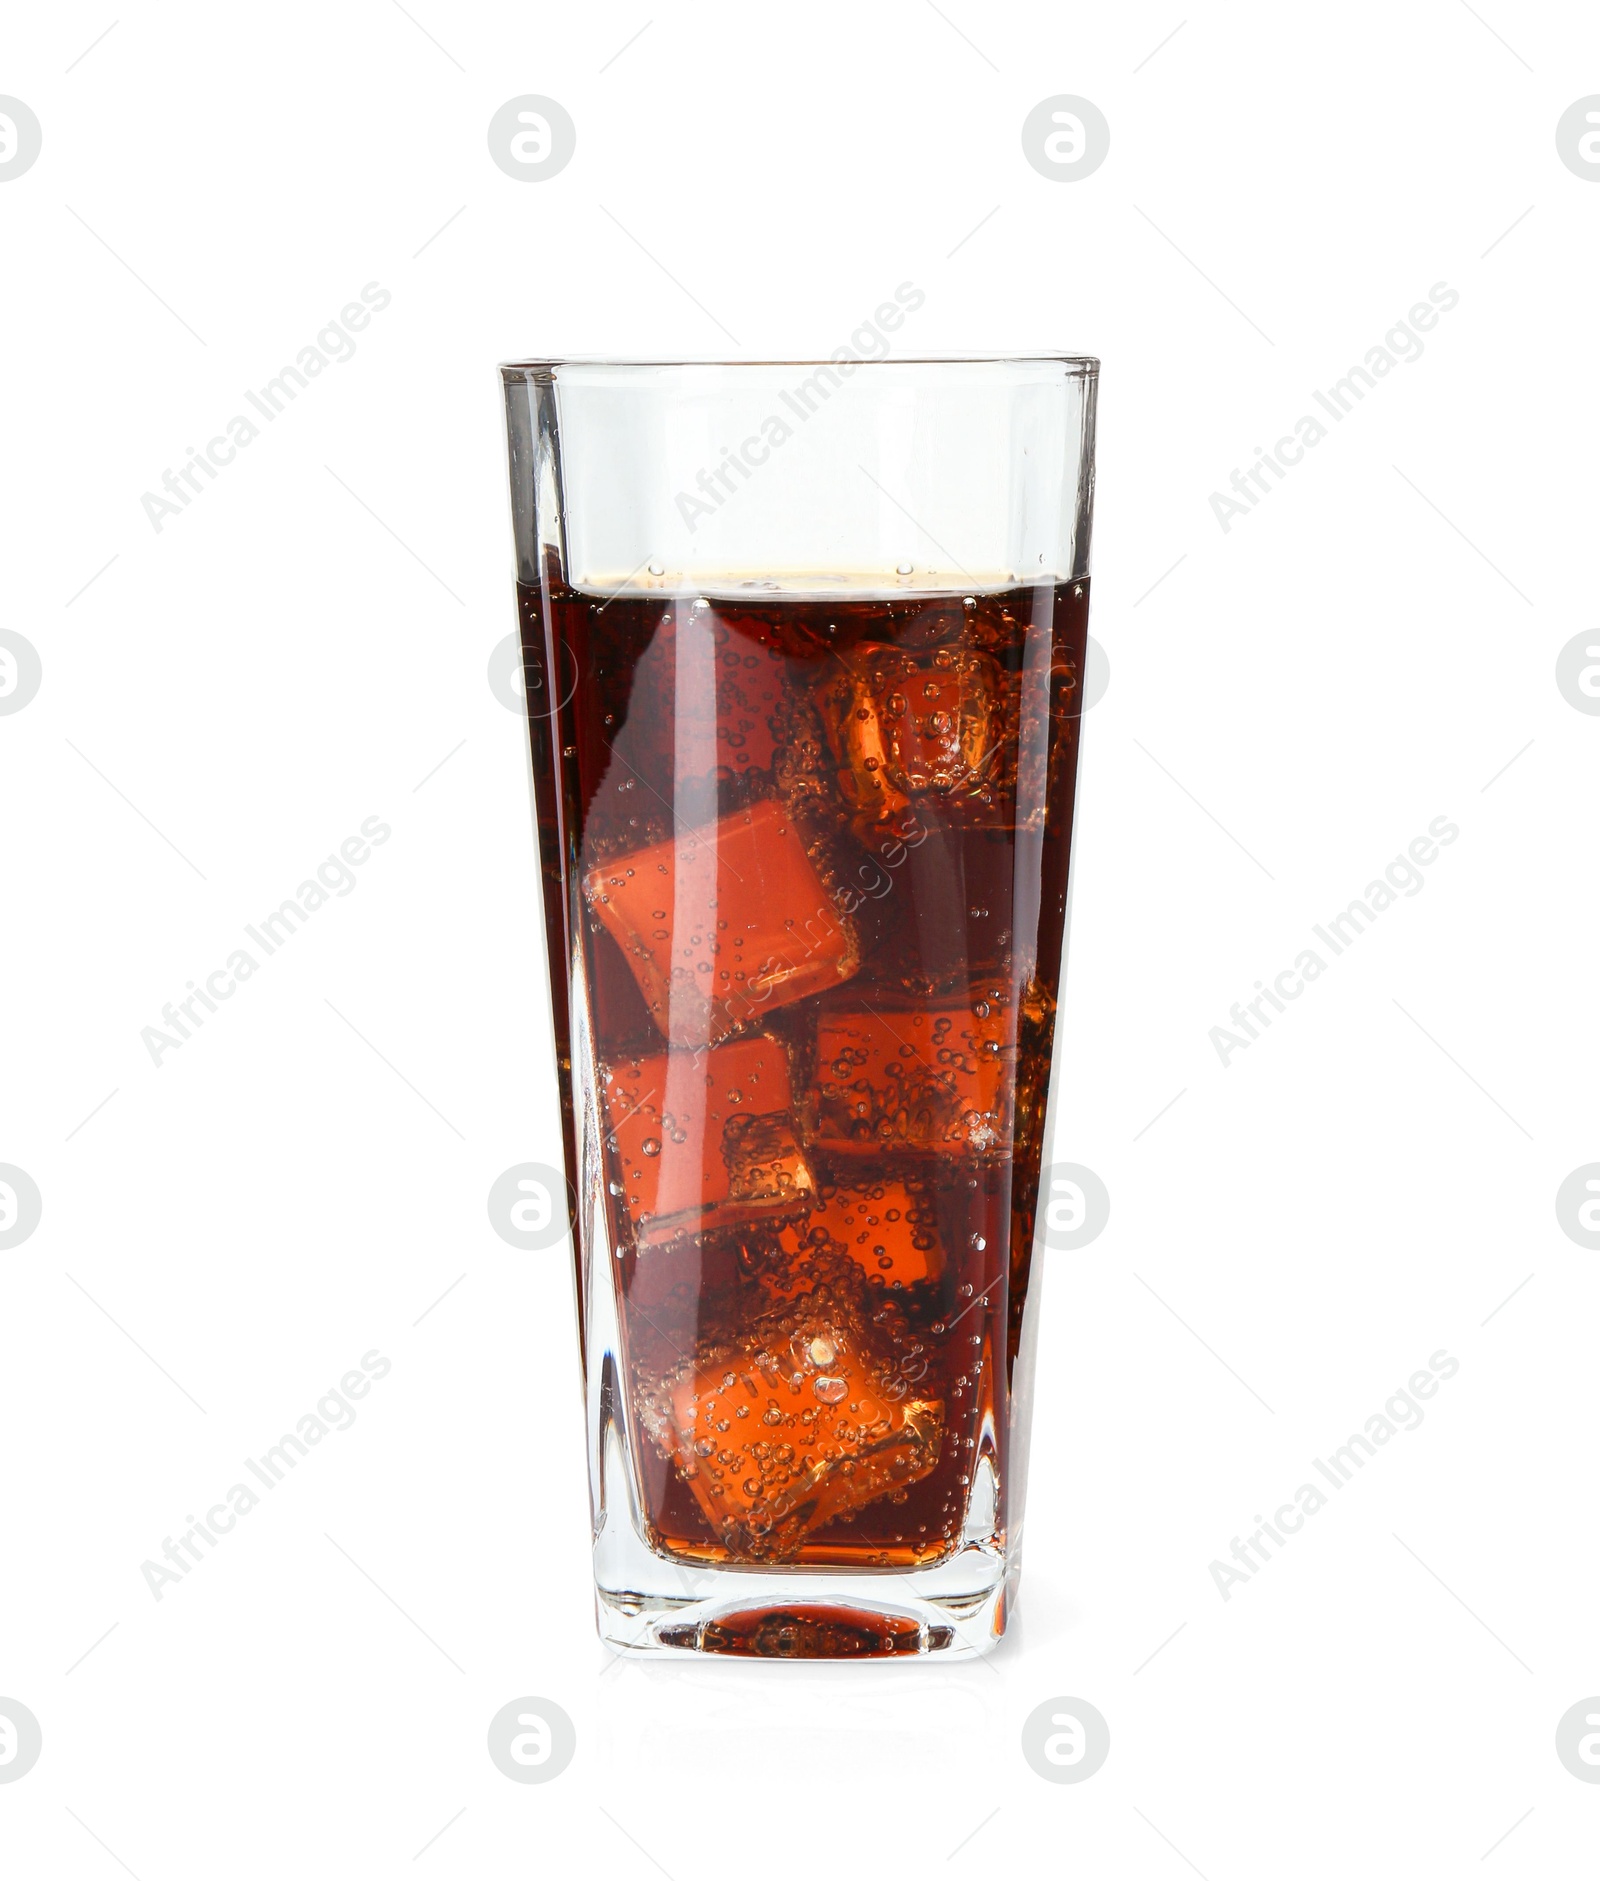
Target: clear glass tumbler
x: 804, y: 645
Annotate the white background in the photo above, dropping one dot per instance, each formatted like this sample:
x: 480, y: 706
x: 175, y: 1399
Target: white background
x: 232, y: 696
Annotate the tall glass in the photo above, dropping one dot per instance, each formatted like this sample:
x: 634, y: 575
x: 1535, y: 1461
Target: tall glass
x: 804, y: 645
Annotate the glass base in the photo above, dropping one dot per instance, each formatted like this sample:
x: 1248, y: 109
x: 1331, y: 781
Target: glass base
x: 647, y: 1605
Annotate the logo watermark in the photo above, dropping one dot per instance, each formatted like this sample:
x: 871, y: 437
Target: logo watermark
x: 531, y: 1740
x: 21, y: 1740
x: 1577, y: 1206
x: 516, y: 677
x: 1577, y: 673
x: 1074, y: 1207
x: 522, y: 1206
x: 1578, y: 1740
x: 21, y: 1205
x: 1577, y: 137
x: 1096, y: 673
x: 1066, y: 138
x: 21, y: 139
x: 20, y: 671
x: 1066, y: 1740
x: 532, y: 138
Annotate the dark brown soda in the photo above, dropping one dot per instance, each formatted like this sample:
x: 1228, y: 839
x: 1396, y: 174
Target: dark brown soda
x: 878, y: 795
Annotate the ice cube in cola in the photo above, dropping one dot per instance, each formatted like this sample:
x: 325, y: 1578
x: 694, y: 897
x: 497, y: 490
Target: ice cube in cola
x: 704, y: 1141
x: 794, y: 1417
x: 722, y: 924
x: 903, y: 1077
x: 886, y: 1226
x: 921, y: 729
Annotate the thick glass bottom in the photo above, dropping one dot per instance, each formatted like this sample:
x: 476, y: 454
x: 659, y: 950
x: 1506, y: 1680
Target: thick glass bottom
x: 648, y: 1605
x: 805, y: 1617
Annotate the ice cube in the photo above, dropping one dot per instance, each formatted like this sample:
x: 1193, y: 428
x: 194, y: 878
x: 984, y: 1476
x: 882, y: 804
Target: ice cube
x: 797, y: 1417
x: 902, y: 1076
x: 701, y: 1141
x: 884, y: 1226
x: 934, y: 728
x: 723, y: 924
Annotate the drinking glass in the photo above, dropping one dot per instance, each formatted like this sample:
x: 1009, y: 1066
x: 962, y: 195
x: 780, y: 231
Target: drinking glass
x: 804, y: 647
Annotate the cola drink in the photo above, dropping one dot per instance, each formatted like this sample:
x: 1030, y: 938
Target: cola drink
x: 806, y: 863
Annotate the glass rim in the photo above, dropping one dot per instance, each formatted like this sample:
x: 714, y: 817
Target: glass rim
x: 1079, y: 365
